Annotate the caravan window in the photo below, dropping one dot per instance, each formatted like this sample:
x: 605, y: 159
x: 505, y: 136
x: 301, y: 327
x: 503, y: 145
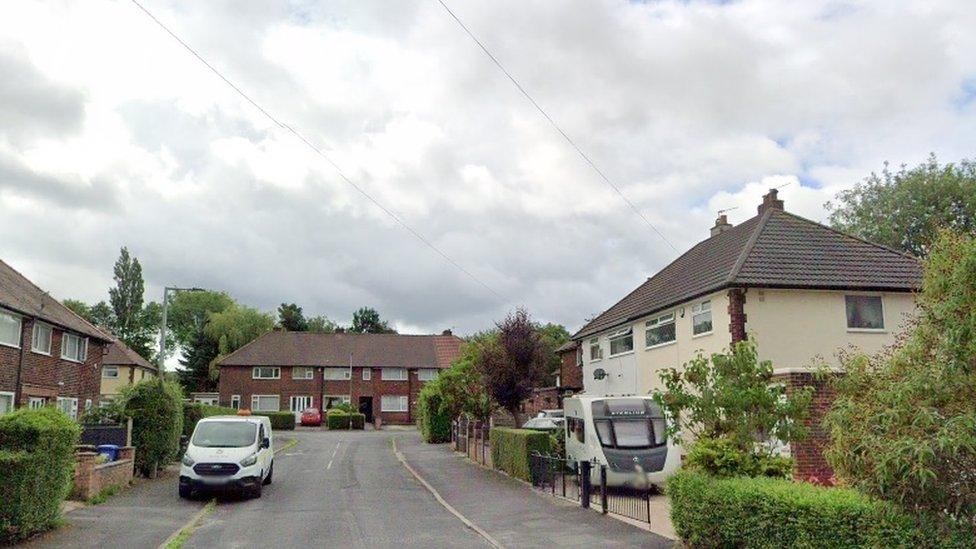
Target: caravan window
x: 628, y: 423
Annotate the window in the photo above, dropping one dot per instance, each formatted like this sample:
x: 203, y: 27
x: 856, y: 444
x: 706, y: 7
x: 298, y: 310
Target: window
x: 265, y: 403
x: 596, y: 353
x: 36, y: 402
x: 622, y: 341
x: 266, y: 372
x: 302, y: 373
x: 235, y: 402
x: 331, y: 401
x: 88, y: 404
x: 576, y: 426
x: 701, y: 318
x: 69, y: 406
x: 110, y: 372
x: 367, y: 374
x: 41, y: 339
x: 393, y: 403
x: 74, y: 348
x: 864, y: 312
x: 10, y: 326
x: 427, y: 374
x: 6, y: 402
x: 393, y: 374
x: 660, y: 330
x: 336, y: 373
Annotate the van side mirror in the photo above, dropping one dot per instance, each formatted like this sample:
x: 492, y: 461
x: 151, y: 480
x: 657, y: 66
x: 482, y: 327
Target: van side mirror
x: 266, y: 442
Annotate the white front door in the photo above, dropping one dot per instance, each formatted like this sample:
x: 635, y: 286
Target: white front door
x: 299, y: 404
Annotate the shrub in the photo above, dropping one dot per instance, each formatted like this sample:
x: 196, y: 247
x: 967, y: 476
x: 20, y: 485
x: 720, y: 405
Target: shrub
x: 557, y: 444
x: 37, y: 460
x: 721, y: 457
x: 433, y: 418
x: 156, y: 409
x: 511, y: 448
x: 340, y: 420
x: 280, y: 421
x: 762, y: 512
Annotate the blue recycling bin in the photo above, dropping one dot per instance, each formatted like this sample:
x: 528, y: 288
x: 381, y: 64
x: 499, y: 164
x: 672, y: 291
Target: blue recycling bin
x: 110, y: 451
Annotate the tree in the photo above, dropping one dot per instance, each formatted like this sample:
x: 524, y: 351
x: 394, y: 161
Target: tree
x: 906, y: 209
x: 462, y: 387
x: 553, y: 336
x: 100, y: 314
x: 321, y: 325
x: 367, y: 321
x: 514, y: 362
x: 132, y: 323
x: 903, y: 425
x: 189, y: 311
x: 198, y: 355
x: 290, y: 318
x: 235, y: 327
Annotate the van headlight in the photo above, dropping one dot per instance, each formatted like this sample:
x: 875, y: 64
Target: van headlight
x: 249, y: 460
x: 187, y: 460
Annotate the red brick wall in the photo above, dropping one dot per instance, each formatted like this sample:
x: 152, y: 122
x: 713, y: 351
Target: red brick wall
x: 809, y: 453
x: 545, y: 398
x: 737, y: 314
x: 570, y: 373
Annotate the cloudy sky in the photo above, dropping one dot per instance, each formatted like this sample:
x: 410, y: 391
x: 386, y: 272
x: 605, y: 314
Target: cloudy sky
x: 111, y: 134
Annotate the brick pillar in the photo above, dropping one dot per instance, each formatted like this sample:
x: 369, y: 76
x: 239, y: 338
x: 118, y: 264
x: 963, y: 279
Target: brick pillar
x: 84, y: 474
x: 808, y: 454
x: 127, y: 452
x: 737, y: 314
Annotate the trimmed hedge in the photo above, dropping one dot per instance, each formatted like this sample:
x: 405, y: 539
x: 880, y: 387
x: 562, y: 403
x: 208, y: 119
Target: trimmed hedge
x: 37, y: 460
x: 511, y: 448
x: 763, y: 512
x: 280, y: 421
x: 338, y: 419
x: 156, y: 409
x: 433, y: 421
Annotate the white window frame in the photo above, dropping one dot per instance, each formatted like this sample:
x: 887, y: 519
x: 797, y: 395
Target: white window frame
x: 275, y: 375
x: 72, y: 411
x: 658, y: 322
x: 386, y: 374
x: 82, y: 348
x: 880, y: 330
x: 595, y: 343
x: 403, y: 403
x: 621, y: 334
x: 20, y: 328
x: 700, y: 309
x: 5, y: 394
x: 256, y: 398
x: 88, y: 404
x: 35, y: 403
x: 336, y: 374
x: 310, y: 372
x: 38, y: 326
x: 367, y: 374
x: 427, y: 374
x: 106, y: 369
x: 235, y: 402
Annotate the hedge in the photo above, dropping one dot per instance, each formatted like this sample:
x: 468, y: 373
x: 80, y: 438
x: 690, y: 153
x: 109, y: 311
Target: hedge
x: 511, y: 448
x: 337, y: 419
x: 280, y: 421
x: 433, y: 422
x: 156, y: 409
x: 707, y: 511
x: 37, y: 460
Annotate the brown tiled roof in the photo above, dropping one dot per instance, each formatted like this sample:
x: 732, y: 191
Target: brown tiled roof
x: 20, y: 295
x: 309, y: 349
x: 568, y: 346
x: 119, y: 354
x: 775, y: 249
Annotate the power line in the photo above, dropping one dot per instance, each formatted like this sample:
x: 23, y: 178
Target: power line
x: 319, y: 152
x: 554, y: 124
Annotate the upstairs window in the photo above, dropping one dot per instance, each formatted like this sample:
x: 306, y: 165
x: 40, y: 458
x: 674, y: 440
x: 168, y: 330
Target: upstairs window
x: 393, y: 374
x: 110, y: 372
x: 9, y: 329
x: 336, y: 374
x: 74, y: 348
x: 427, y: 374
x: 302, y: 372
x: 367, y: 374
x: 864, y: 312
x: 596, y: 353
x: 41, y: 338
x: 701, y: 318
x: 622, y: 341
x: 266, y: 372
x: 660, y: 330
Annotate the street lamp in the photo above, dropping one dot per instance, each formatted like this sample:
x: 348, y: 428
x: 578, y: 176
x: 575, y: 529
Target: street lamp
x: 162, y: 327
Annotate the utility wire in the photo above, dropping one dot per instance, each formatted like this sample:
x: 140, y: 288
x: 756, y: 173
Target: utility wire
x: 319, y: 152
x: 554, y: 124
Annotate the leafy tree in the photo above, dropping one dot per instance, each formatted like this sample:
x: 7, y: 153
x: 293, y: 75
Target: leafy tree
x: 290, y: 318
x: 100, y: 314
x: 189, y: 311
x: 903, y: 425
x: 367, y: 321
x: 198, y: 355
x: 321, y: 325
x: 461, y: 386
x: 906, y: 209
x: 156, y: 409
x: 133, y: 323
x: 235, y: 327
x: 730, y: 403
x: 514, y: 362
x: 553, y: 336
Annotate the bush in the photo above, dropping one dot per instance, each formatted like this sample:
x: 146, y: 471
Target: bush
x: 721, y: 457
x: 433, y: 418
x: 280, y: 421
x: 338, y: 419
x: 762, y: 512
x: 156, y: 409
x: 511, y: 448
x: 37, y: 460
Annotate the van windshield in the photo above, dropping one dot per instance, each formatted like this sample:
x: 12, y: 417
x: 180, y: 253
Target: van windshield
x: 224, y: 434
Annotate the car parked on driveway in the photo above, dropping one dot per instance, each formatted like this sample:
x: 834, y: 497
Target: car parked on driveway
x: 228, y: 453
x: 311, y: 417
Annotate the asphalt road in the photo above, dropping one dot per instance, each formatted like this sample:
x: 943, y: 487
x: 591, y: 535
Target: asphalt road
x: 336, y: 489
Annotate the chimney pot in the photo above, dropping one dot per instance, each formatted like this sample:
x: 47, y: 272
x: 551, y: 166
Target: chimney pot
x: 721, y: 225
x: 770, y: 202
x: 447, y: 332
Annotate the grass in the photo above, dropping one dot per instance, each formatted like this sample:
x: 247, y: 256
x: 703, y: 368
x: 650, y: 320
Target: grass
x: 104, y: 494
x: 178, y: 541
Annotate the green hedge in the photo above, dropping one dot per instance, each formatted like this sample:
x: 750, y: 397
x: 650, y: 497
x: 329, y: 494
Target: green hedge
x: 156, y: 409
x: 434, y: 422
x: 37, y: 461
x: 511, y: 448
x: 337, y: 419
x: 707, y: 511
x: 280, y: 421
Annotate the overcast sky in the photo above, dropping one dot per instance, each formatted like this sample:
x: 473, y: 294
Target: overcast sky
x: 111, y: 134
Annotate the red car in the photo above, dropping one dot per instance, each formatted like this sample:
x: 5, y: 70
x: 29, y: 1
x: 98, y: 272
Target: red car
x: 311, y: 417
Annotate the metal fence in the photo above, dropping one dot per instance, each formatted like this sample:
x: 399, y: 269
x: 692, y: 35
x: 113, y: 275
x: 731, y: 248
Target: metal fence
x: 105, y: 434
x: 472, y: 439
x: 586, y: 483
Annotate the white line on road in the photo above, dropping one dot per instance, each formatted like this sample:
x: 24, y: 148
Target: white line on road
x: 334, y: 452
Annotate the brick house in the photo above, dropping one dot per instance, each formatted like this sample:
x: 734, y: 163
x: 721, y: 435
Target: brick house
x: 48, y: 354
x: 122, y: 367
x: 569, y: 381
x: 804, y: 291
x: 378, y: 374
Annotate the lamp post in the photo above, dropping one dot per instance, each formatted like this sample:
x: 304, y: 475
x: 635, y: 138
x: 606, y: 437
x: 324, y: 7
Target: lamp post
x: 162, y: 327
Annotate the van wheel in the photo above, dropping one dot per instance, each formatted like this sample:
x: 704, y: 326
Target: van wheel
x: 186, y: 492
x: 267, y: 479
x: 256, y: 491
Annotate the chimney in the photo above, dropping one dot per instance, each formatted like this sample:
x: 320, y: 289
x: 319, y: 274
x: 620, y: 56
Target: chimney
x: 721, y: 225
x: 447, y: 332
x: 770, y: 202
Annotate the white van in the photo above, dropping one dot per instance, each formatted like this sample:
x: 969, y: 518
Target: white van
x: 228, y: 453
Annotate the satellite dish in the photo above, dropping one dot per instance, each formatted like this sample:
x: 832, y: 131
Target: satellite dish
x: 599, y: 374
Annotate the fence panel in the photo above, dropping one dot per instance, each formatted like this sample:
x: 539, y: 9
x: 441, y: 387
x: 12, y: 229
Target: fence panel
x: 104, y: 434
x: 586, y: 483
